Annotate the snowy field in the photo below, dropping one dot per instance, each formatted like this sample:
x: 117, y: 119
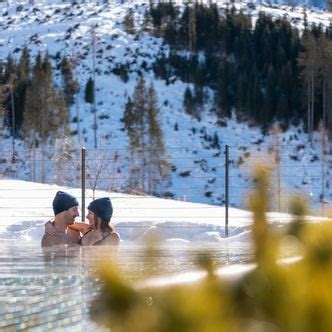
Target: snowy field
x: 26, y: 206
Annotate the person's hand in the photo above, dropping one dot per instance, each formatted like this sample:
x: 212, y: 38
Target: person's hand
x: 81, y: 227
x: 50, y: 228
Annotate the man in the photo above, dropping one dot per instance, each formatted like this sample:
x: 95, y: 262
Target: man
x: 65, y: 207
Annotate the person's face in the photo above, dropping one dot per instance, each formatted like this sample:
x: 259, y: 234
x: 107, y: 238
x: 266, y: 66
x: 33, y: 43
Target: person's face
x: 71, y: 214
x: 91, y: 217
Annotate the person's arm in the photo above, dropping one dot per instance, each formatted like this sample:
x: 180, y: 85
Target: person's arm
x: 80, y: 227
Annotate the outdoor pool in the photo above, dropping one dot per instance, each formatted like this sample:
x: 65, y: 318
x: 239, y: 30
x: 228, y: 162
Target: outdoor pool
x: 42, y: 290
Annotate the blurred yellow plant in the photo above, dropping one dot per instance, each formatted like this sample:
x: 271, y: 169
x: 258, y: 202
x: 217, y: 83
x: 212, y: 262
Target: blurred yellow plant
x: 272, y: 297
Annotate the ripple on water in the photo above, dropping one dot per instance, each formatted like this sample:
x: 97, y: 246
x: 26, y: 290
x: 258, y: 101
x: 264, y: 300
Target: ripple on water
x: 52, y: 289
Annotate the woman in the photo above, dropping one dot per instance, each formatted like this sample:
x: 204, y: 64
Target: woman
x: 99, y: 231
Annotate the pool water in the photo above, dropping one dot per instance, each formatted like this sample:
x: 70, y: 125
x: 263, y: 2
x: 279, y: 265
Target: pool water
x: 43, y: 290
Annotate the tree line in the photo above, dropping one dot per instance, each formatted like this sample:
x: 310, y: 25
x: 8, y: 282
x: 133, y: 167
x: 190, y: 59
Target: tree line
x: 34, y: 106
x: 265, y: 72
x: 35, y: 109
x: 31, y: 95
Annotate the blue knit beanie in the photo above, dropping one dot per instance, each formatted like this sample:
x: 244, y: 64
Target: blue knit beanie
x: 102, y: 207
x: 63, y: 201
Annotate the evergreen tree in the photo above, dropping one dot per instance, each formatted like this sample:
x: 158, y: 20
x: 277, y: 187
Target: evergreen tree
x: 286, y: 90
x: 2, y: 114
x: 9, y: 78
x: 156, y: 15
x: 129, y: 122
x: 198, y: 100
x: 10, y: 68
x: 147, y: 21
x: 163, y: 15
x: 282, y: 107
x: 187, y: 30
x: 89, y: 91
x: 158, y: 166
x: 71, y: 86
x: 46, y: 116
x: 188, y: 101
x: 147, y: 151
x: 170, y: 34
x: 33, y: 105
x: 225, y: 88
x: 241, y: 92
x: 264, y: 73
x: 215, y: 141
x: 1, y: 73
x: 140, y: 134
x: 129, y: 23
x: 272, y: 93
x: 192, y: 35
x: 308, y: 59
x: 21, y: 84
x: 15, y: 81
x: 129, y: 119
x: 325, y: 54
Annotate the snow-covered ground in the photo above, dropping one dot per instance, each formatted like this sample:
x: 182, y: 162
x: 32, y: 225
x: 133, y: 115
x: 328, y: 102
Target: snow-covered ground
x: 65, y: 29
x: 26, y: 206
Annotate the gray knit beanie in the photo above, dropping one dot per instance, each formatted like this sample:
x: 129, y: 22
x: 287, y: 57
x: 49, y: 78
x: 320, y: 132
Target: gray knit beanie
x: 102, y: 207
x: 63, y: 201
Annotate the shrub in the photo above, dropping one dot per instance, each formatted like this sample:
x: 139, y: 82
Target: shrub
x: 272, y: 297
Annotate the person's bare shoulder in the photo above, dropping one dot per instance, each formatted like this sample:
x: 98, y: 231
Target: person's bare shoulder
x: 113, y: 239
x: 71, y: 237
x: 51, y: 240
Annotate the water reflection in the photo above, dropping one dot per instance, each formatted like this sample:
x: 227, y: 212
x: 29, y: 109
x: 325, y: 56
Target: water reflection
x: 51, y: 289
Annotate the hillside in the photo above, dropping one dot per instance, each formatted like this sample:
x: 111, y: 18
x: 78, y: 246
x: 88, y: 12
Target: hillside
x: 197, y: 167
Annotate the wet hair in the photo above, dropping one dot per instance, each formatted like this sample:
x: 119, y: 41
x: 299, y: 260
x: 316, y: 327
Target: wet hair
x: 105, y: 225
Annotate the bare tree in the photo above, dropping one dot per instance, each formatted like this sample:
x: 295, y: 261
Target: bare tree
x: 65, y: 161
x: 100, y: 169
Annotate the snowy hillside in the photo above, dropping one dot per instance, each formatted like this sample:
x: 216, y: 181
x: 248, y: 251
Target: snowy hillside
x: 197, y: 168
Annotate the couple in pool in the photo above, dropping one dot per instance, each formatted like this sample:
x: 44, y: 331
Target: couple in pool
x: 63, y: 229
